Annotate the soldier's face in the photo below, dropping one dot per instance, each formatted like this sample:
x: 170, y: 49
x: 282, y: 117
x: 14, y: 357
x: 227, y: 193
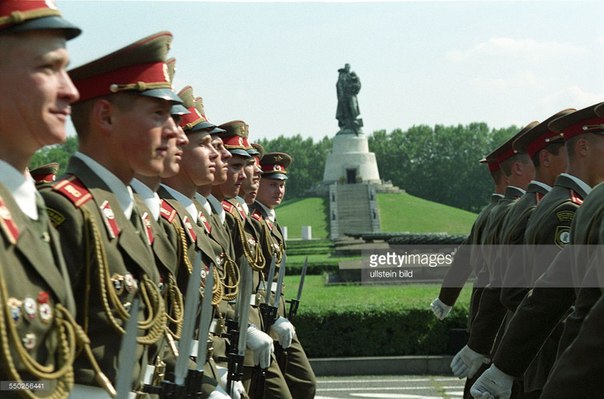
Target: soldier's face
x: 251, y: 181
x: 271, y: 192
x: 199, y: 159
x: 222, y: 167
x: 146, y: 130
x: 174, y: 155
x: 235, y: 176
x: 36, y: 90
x: 251, y: 190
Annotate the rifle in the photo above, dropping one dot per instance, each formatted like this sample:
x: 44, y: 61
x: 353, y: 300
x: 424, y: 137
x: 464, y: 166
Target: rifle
x: 295, y: 303
x: 127, y: 354
x: 195, y: 377
x: 178, y: 389
x: 236, y: 354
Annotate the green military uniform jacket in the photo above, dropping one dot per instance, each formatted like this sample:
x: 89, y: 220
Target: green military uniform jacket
x: 33, y: 282
x: 298, y: 374
x: 196, y: 234
x: 490, y: 313
x: 109, y: 262
x: 515, y: 282
x: 463, y: 264
x: 545, y: 305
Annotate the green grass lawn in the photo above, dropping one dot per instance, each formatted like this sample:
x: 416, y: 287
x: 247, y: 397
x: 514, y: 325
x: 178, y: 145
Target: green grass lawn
x: 304, y: 212
x: 398, y: 213
x: 346, y: 297
x: 406, y: 213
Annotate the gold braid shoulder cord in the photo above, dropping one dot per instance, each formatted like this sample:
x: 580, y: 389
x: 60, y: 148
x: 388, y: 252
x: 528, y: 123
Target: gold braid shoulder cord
x: 217, y: 290
x: 150, y: 295
x: 254, y: 256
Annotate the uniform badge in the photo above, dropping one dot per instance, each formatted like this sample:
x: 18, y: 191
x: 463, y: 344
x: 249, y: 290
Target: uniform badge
x: 562, y: 236
x: 130, y: 283
x: 109, y: 218
x: 29, y: 341
x: 565, y: 216
x: 30, y: 308
x: 14, y: 305
x: 56, y: 217
x: 204, y: 222
x: 118, y: 283
x: 161, y: 285
x: 45, y: 312
x: 8, y: 224
x: 189, y: 229
x: 148, y: 230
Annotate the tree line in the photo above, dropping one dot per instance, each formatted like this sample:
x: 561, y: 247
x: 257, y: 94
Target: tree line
x: 438, y: 163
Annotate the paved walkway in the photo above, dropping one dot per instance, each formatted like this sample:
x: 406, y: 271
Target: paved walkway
x: 403, y: 387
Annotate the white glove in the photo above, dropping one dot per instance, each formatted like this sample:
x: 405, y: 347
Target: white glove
x: 223, y: 376
x: 283, y: 331
x: 261, y: 344
x: 219, y: 393
x: 467, y: 362
x: 439, y: 309
x: 493, y: 383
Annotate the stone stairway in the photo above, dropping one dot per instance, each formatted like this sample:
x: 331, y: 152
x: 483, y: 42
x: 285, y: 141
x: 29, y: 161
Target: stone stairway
x: 353, y: 209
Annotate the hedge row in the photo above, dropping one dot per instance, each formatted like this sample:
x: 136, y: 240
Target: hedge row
x: 381, y: 332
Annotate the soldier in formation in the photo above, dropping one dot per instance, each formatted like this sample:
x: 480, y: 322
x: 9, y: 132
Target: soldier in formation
x: 148, y: 229
x: 544, y: 308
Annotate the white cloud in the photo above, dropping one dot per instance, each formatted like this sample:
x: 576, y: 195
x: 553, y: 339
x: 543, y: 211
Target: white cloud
x: 518, y: 80
x: 572, y: 97
x: 505, y: 48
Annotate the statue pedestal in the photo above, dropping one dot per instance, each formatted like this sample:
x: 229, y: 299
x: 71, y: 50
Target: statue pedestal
x: 350, y: 161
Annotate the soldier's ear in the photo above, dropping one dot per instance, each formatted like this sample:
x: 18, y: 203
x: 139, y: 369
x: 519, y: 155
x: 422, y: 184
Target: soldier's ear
x: 102, y: 113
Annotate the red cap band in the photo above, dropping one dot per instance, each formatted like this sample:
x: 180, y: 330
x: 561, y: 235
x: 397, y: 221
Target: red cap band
x: 232, y: 142
x: 273, y: 168
x: 13, y: 12
x: 141, y: 77
x: 582, y: 127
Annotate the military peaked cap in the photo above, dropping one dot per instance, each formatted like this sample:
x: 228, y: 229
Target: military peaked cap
x: 29, y: 15
x: 274, y: 165
x: 586, y: 120
x: 506, y: 150
x: 139, y: 67
x: 540, y: 136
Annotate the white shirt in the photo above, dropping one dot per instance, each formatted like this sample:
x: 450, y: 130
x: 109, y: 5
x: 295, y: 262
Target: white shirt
x: 579, y: 182
x: 23, y: 189
x: 204, y: 203
x: 184, y: 201
x: 270, y: 212
x: 149, y: 197
x: 217, y: 206
x: 122, y: 192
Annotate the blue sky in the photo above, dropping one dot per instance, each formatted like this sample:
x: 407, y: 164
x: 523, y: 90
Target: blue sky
x: 275, y: 65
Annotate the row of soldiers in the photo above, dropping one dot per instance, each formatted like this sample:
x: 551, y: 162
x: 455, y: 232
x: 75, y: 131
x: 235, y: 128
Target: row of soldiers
x: 154, y: 267
x: 535, y: 317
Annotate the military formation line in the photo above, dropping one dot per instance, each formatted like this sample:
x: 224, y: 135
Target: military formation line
x: 154, y: 267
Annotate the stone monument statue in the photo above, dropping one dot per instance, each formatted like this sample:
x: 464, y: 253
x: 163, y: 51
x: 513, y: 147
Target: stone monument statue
x: 347, y: 87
